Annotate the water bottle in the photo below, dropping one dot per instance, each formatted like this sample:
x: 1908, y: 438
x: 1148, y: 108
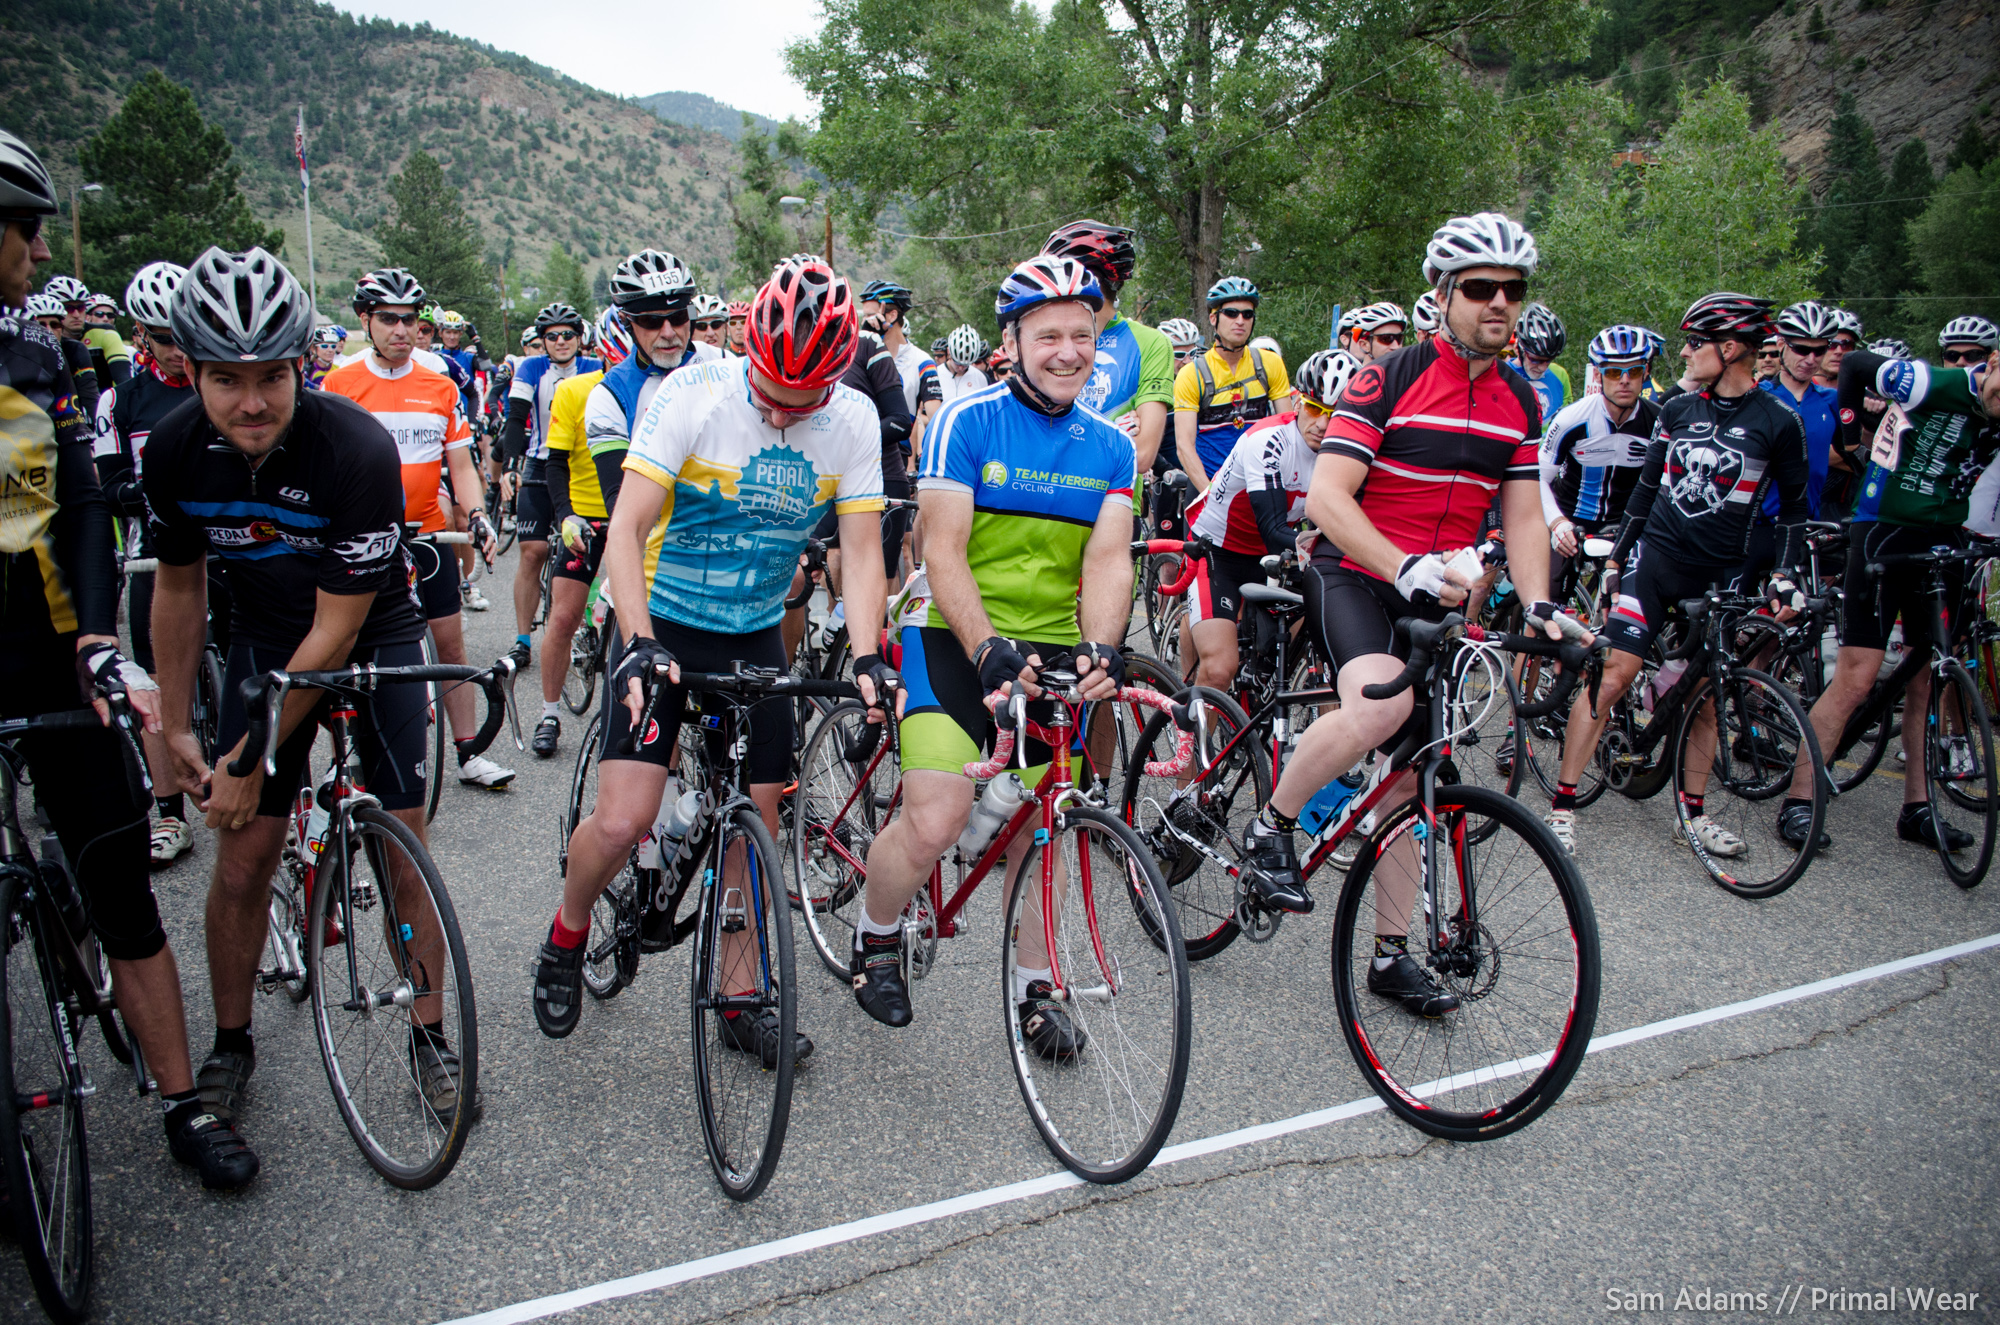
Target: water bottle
x: 318, y: 820
x: 653, y: 847
x: 1663, y: 680
x: 835, y: 623
x: 1327, y: 803
x: 996, y: 805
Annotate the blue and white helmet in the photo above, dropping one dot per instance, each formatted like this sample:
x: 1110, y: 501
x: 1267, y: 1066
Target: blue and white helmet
x: 614, y: 341
x: 1045, y: 279
x: 1232, y: 287
x: 1621, y: 344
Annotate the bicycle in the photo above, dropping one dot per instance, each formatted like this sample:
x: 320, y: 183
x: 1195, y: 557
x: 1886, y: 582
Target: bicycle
x: 743, y: 1099
x: 501, y: 512
x: 53, y: 976
x: 389, y: 1073
x: 1120, y: 967
x: 1507, y: 926
x: 593, y: 646
x: 205, y: 702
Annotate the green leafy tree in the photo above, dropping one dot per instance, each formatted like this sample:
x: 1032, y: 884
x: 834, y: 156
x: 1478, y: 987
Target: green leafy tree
x: 1956, y: 272
x: 564, y: 279
x: 170, y: 187
x: 1714, y: 212
x: 763, y: 239
x: 1852, y: 218
x: 431, y: 234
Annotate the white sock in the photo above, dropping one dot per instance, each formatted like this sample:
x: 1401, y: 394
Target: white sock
x: 1026, y: 975
x: 551, y: 708
x: 868, y: 925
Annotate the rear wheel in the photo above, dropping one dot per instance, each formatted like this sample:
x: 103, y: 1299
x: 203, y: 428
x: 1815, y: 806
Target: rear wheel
x: 1959, y: 773
x: 434, y: 708
x: 1759, y: 731
x: 613, y: 957
x: 839, y: 809
x: 580, y: 681
x: 207, y: 714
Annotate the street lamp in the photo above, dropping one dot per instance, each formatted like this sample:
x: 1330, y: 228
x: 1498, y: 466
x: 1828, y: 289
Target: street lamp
x: 791, y: 201
x: 76, y: 223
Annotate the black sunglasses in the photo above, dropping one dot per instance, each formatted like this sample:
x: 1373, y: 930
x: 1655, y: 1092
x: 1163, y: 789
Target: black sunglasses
x: 397, y: 319
x: 31, y: 226
x: 1387, y: 338
x: 1953, y: 357
x: 1481, y: 289
x: 162, y: 337
x: 562, y: 335
x: 1805, y: 351
x: 654, y: 321
x: 715, y: 325
x: 1698, y: 342
x: 1237, y: 312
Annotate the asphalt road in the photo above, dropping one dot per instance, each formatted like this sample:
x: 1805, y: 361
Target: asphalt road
x: 1843, y: 1142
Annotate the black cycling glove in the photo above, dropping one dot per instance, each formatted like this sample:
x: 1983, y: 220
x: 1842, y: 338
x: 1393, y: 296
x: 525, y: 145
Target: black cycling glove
x: 1106, y: 657
x: 999, y: 662
x: 880, y: 673
x: 102, y: 670
x: 641, y: 656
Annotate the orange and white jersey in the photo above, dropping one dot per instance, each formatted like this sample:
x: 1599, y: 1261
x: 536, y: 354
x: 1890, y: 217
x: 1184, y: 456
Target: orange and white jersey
x: 421, y: 410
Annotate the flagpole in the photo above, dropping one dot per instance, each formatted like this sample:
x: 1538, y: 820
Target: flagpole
x: 305, y: 187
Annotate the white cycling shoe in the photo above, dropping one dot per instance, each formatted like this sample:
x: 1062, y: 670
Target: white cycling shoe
x: 1714, y: 838
x: 172, y: 839
x: 479, y: 771
x: 475, y: 600
x: 1563, y: 824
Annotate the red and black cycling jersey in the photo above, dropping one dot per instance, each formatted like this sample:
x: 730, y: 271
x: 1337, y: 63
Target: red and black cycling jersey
x: 1711, y: 460
x: 322, y: 511
x: 1438, y: 443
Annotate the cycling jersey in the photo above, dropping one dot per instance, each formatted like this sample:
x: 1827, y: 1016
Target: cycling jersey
x: 953, y: 385
x: 126, y: 417
x: 920, y: 376
x: 315, y: 376
x: 1589, y: 464
x: 582, y: 495
x: 1816, y: 412
x: 1227, y: 400
x: 1438, y: 443
x: 55, y: 526
x: 609, y: 411
x: 1038, y: 484
x: 82, y: 375
x: 1135, y: 366
x: 462, y: 370
x: 1715, y: 457
x: 1934, y: 461
x: 742, y: 496
x: 420, y: 409
x: 535, y: 380
x: 322, y: 513
x: 873, y: 373
x: 1552, y: 388
x: 1259, y: 492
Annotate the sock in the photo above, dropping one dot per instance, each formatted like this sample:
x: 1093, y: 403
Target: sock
x: 565, y: 937
x: 1271, y: 821
x: 432, y: 1031
x: 523, y: 641
x: 1388, y: 947
x: 177, y: 1109
x: 1565, y: 797
x: 235, y: 1040
x: 1025, y: 976
x: 171, y: 807
x: 552, y: 709
x: 868, y: 925
x: 463, y: 753
x: 1693, y: 804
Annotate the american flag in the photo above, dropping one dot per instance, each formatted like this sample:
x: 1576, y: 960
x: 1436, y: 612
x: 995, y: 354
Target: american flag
x: 299, y: 150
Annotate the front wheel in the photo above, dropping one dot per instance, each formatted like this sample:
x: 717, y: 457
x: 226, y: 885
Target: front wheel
x: 839, y: 809
x: 1515, y: 969
x: 1738, y: 766
x: 1959, y: 773
x: 434, y: 707
x: 613, y: 956
x: 1105, y: 1097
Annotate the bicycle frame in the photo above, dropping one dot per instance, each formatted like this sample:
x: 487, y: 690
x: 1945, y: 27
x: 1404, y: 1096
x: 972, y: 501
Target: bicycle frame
x: 1883, y: 695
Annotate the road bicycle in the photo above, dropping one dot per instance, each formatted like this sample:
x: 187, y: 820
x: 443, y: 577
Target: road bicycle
x: 1085, y: 883
x: 53, y: 978
x: 742, y: 962
x: 205, y: 701
x: 593, y: 648
x: 395, y: 1013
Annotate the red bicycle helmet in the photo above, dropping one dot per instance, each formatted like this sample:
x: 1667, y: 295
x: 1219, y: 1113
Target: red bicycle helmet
x: 1727, y: 314
x: 803, y: 326
x: 1106, y: 249
x: 739, y: 309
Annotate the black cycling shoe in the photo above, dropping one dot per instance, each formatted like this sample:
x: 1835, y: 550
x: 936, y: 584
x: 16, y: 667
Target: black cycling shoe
x: 558, y: 987
x: 547, y: 732
x: 223, y: 1081
x: 1273, y: 871
x: 1793, y: 822
x: 1046, y: 1026
x: 1503, y: 754
x: 440, y: 1075
x: 1405, y: 982
x: 877, y: 971
x: 212, y: 1146
x: 759, y: 1035
x: 520, y: 653
x: 1921, y: 826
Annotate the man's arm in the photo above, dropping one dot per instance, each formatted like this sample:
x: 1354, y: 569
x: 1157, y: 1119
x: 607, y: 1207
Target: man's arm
x: 1190, y: 454
x: 1107, y: 576
x: 514, y: 432
x: 863, y: 582
x: 556, y: 474
x: 1527, y: 538
x: 639, y: 501
x: 1152, y: 429
x: 467, y: 492
x: 1331, y: 504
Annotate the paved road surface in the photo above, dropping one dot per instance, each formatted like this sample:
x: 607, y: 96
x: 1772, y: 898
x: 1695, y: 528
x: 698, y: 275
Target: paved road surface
x: 1839, y: 1142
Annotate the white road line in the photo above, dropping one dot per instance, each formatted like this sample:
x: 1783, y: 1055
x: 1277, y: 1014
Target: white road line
x: 708, y: 1266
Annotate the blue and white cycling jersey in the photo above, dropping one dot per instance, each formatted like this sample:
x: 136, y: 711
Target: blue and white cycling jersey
x: 1818, y: 412
x: 742, y: 496
x: 535, y: 380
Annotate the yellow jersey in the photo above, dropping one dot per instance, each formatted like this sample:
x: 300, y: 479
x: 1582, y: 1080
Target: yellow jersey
x: 586, y: 498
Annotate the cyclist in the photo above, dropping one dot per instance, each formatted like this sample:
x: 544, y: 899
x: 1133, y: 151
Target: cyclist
x: 963, y: 349
x: 49, y: 310
x: 1803, y: 336
x: 732, y: 336
x: 651, y: 293
x: 1375, y: 331
x: 711, y: 319
x: 58, y: 636
x: 1539, y: 339
x: 1419, y: 444
x: 1133, y: 382
x: 1846, y: 336
x: 1221, y: 393
x: 1770, y: 357
x: 1248, y: 512
x: 301, y: 494
x: 1916, y: 501
x: 1424, y: 317
x: 1027, y: 502
x: 109, y: 354
x: 1594, y: 447
x: 420, y: 410
x: 1717, y: 448
x: 1965, y: 342
x: 458, y: 347
x: 525, y: 438
x: 751, y: 450
x: 1185, y: 339
x: 322, y: 351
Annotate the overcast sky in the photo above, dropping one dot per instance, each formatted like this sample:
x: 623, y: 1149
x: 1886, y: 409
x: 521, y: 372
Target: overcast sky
x: 733, y: 51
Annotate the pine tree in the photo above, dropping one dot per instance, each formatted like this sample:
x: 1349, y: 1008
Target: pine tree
x: 170, y: 187
x: 432, y: 236
x: 1971, y: 149
x: 1846, y: 218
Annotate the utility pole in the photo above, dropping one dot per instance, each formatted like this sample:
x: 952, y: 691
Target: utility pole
x: 76, y: 224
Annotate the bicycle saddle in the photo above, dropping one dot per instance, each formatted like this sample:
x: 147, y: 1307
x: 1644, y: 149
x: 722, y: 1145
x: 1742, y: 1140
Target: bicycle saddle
x: 1265, y: 595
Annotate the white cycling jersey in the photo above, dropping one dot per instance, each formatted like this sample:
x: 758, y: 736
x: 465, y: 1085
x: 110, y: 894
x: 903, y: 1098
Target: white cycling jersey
x: 1271, y: 456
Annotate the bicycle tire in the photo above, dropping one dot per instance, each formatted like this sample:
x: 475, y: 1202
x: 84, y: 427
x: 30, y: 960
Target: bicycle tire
x: 434, y: 707
x: 1106, y: 1111
x: 1161, y: 568
x: 612, y: 959
x: 1439, y: 1074
x: 208, y: 702
x: 285, y: 953
x: 829, y: 838
x: 1957, y: 701
x: 579, y: 685
x: 1760, y: 727
x: 1215, y: 815
x: 52, y: 1225
x: 109, y: 1024
x: 744, y: 1116
x: 413, y: 1148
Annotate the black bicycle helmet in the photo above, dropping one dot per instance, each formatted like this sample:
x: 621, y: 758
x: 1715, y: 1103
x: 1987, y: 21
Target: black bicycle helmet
x: 1540, y: 332
x: 558, y: 314
x: 1727, y: 315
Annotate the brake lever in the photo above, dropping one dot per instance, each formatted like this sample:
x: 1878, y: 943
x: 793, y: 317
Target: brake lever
x: 508, y: 670
x: 1017, y: 707
x: 274, y: 712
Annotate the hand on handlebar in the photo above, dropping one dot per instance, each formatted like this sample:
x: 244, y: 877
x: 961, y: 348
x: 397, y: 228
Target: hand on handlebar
x: 1000, y: 664
x: 1100, y: 670
x: 1562, y: 537
x: 1785, y: 598
x: 1556, y: 624
x: 104, y: 672
x: 876, y: 680
x: 483, y: 536
x: 631, y: 677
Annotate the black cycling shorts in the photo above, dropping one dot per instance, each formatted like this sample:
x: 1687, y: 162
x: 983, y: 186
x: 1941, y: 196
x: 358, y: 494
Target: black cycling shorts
x: 534, y: 510
x: 80, y: 779
x: 1647, y: 588
x: 1875, y: 602
x: 570, y: 566
x: 392, y: 734
x: 1217, y: 591
x: 706, y: 651
x: 435, y: 579
x: 946, y: 724
x: 1352, y: 615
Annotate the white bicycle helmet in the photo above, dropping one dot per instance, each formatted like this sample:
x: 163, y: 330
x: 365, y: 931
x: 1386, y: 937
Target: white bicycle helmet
x: 1268, y: 343
x: 708, y: 307
x: 1484, y: 239
x: 1323, y: 376
x: 1891, y: 348
x: 651, y: 281
x: 965, y: 345
x: 42, y: 305
x: 150, y: 295
x: 1424, y: 313
x: 1969, y: 331
x: 1181, y: 333
x: 1378, y: 315
x: 1806, y: 320
x: 241, y: 308
x: 1845, y: 321
x: 66, y: 290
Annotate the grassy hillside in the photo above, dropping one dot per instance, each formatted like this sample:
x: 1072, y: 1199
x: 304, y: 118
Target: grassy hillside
x: 539, y: 157
x: 700, y: 112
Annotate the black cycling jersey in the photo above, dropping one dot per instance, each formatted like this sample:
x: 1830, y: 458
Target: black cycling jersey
x: 126, y: 417
x: 1716, y: 457
x: 83, y: 375
x: 322, y: 511
x: 873, y: 373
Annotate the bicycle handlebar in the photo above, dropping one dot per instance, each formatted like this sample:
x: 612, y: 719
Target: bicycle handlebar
x: 1190, y: 552
x: 1425, y: 636
x: 137, y: 779
x: 264, y: 698
x: 815, y: 555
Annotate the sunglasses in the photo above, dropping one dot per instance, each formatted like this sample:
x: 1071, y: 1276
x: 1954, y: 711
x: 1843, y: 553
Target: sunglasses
x: 654, y: 321
x: 1844, y: 343
x: 1953, y: 357
x: 1387, y: 338
x: 1624, y: 374
x: 1237, y: 312
x: 1805, y: 351
x: 31, y: 226
x: 1481, y: 289
x: 1700, y: 342
x: 1772, y: 354
x: 780, y: 407
x: 397, y: 319
x: 162, y: 337
x: 716, y: 325
x: 563, y: 337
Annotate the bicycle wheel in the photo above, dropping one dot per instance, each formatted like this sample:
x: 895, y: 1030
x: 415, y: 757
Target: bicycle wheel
x: 1162, y: 615
x: 284, y: 947
x: 1114, y: 727
x: 840, y: 808
x: 1959, y: 773
x: 1192, y: 831
x: 613, y: 957
x: 42, y: 1149
x: 207, y: 715
x: 1519, y: 955
x: 580, y: 681
x: 506, y: 527
x: 400, y: 964
x: 1759, y: 731
x: 1106, y: 1109
x: 743, y: 966
x: 434, y: 709
x: 1479, y: 714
